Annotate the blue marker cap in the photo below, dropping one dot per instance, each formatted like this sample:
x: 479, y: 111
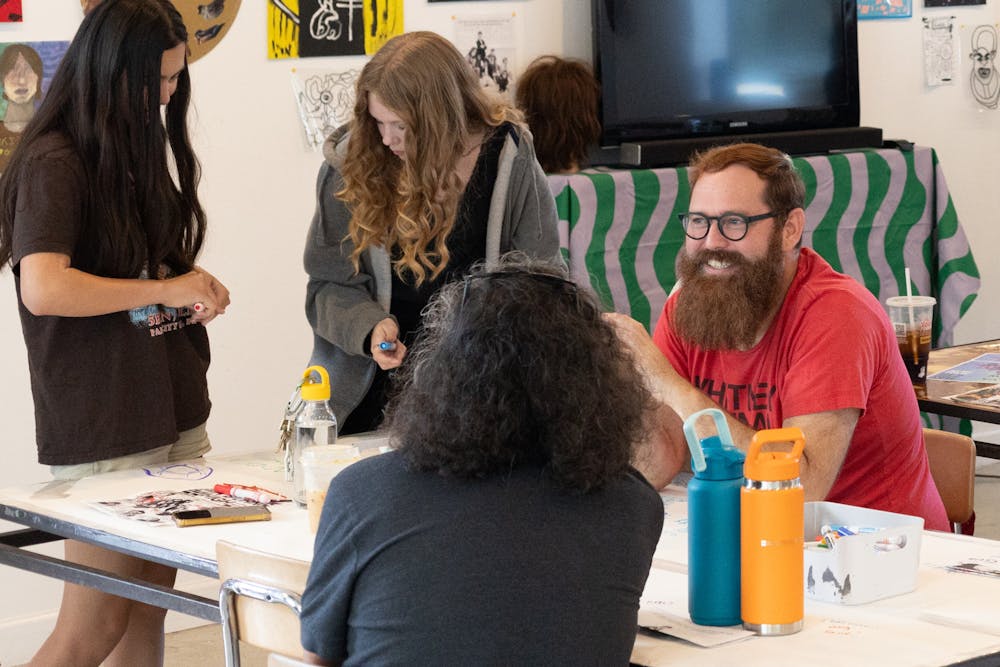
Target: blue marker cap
x: 386, y: 345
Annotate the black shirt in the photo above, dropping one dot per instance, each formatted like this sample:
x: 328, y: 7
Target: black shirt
x: 466, y: 246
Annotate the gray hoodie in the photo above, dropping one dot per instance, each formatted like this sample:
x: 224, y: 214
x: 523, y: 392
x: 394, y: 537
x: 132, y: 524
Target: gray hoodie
x: 343, y: 306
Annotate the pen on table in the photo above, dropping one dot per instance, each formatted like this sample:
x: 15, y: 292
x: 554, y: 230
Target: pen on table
x: 386, y: 346
x: 237, y: 491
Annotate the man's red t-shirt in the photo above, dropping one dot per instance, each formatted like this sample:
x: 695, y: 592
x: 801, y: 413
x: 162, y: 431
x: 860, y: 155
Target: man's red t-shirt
x: 830, y: 347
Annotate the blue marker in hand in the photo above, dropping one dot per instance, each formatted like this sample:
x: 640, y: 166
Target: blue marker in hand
x: 386, y: 346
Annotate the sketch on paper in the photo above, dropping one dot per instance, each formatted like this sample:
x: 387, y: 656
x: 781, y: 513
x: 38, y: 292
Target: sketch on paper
x: 156, y: 507
x: 325, y: 101
x: 939, y: 50
x: 312, y: 28
x: 490, y: 48
x: 984, y: 79
x: 26, y: 71
x: 884, y: 9
x: 10, y: 11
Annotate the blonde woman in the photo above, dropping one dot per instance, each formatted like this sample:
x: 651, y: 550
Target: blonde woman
x: 431, y: 176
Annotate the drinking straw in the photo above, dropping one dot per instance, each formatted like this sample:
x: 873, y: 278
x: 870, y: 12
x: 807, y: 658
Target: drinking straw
x: 913, y: 334
x: 909, y: 295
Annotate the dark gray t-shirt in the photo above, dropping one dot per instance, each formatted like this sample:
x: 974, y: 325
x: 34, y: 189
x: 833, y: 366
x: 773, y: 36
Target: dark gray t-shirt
x: 417, y: 568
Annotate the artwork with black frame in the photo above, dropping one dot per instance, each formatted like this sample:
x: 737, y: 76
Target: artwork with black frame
x: 952, y: 3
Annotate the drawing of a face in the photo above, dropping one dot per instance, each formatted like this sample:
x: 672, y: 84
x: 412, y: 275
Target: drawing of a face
x: 985, y: 80
x: 21, y: 83
x: 984, y: 62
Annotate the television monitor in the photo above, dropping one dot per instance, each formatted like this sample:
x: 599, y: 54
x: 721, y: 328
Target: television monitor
x: 678, y: 69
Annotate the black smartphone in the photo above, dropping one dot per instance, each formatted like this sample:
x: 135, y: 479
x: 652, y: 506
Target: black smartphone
x: 222, y: 515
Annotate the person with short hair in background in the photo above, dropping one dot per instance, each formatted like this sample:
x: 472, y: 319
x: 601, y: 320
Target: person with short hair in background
x: 508, y: 526
x: 560, y: 99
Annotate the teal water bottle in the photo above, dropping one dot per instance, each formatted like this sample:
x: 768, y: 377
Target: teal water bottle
x: 714, y: 523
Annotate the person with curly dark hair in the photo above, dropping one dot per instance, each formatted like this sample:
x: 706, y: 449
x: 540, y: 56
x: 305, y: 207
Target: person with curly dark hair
x: 514, y: 425
x: 559, y: 98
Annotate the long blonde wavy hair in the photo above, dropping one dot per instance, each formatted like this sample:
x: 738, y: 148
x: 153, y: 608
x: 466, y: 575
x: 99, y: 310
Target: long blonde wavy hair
x: 412, y: 203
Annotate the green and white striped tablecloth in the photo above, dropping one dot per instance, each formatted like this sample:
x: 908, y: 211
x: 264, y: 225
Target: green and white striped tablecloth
x: 870, y: 213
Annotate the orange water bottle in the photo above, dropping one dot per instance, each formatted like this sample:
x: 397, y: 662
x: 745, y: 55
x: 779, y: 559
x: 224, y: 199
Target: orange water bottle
x: 772, y: 504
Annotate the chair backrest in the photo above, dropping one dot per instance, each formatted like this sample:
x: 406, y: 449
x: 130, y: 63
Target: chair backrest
x: 260, y: 600
x: 952, y: 459
x: 278, y: 660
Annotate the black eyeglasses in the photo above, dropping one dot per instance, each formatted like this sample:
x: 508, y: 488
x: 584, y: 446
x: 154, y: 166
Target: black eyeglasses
x: 733, y: 226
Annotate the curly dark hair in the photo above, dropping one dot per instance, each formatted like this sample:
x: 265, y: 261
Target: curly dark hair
x: 560, y: 99
x: 516, y: 365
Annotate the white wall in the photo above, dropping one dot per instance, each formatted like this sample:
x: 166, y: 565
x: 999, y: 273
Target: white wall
x: 966, y: 136
x: 258, y: 191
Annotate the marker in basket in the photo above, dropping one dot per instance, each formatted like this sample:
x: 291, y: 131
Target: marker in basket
x: 247, y: 493
x: 385, y: 346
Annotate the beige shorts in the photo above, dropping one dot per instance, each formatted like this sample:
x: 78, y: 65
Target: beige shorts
x: 191, y: 444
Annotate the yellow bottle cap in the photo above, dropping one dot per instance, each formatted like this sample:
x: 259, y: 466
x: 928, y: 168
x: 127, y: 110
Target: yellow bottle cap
x: 315, y: 391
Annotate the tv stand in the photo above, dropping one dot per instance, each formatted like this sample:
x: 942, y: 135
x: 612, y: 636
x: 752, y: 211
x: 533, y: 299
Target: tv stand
x: 669, y: 152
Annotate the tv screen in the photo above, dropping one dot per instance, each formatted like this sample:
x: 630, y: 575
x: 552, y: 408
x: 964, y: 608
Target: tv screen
x: 690, y: 68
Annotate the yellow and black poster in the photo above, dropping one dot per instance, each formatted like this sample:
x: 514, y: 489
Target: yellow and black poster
x: 311, y: 28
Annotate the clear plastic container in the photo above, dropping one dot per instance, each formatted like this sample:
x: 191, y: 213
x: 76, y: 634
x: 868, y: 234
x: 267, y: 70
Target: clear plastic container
x: 319, y: 465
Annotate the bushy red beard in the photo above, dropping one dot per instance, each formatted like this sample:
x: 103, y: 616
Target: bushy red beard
x: 725, y: 312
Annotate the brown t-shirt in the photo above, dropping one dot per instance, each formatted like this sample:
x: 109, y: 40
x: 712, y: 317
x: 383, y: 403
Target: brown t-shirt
x: 108, y: 385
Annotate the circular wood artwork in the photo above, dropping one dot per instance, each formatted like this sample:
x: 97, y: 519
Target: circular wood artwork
x: 207, y: 22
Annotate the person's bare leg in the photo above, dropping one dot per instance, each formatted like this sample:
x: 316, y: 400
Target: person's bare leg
x: 91, y: 623
x: 142, y: 644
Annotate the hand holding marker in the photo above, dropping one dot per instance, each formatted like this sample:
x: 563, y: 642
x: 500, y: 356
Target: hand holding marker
x: 385, y: 346
x: 198, y: 306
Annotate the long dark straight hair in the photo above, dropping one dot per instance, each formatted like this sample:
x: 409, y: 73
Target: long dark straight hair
x: 104, y: 99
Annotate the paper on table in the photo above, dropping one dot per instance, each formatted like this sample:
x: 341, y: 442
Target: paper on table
x: 989, y: 396
x: 984, y: 368
x: 663, y: 608
x: 155, y: 507
x: 672, y: 545
x: 986, y: 567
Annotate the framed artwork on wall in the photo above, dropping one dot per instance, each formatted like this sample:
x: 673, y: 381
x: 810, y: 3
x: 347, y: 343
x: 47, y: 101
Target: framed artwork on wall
x: 952, y: 3
x: 10, y: 12
x: 314, y: 28
x: 885, y: 9
x: 26, y: 70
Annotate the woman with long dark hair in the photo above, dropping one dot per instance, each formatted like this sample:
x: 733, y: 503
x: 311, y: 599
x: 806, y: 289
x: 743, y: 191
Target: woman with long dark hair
x: 102, y: 238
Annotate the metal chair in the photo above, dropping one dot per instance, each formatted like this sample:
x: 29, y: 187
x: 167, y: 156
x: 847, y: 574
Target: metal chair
x: 260, y: 600
x: 952, y: 460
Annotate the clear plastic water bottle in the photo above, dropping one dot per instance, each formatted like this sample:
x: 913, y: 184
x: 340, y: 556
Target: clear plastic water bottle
x: 714, y: 523
x: 772, y: 505
x: 314, y: 425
